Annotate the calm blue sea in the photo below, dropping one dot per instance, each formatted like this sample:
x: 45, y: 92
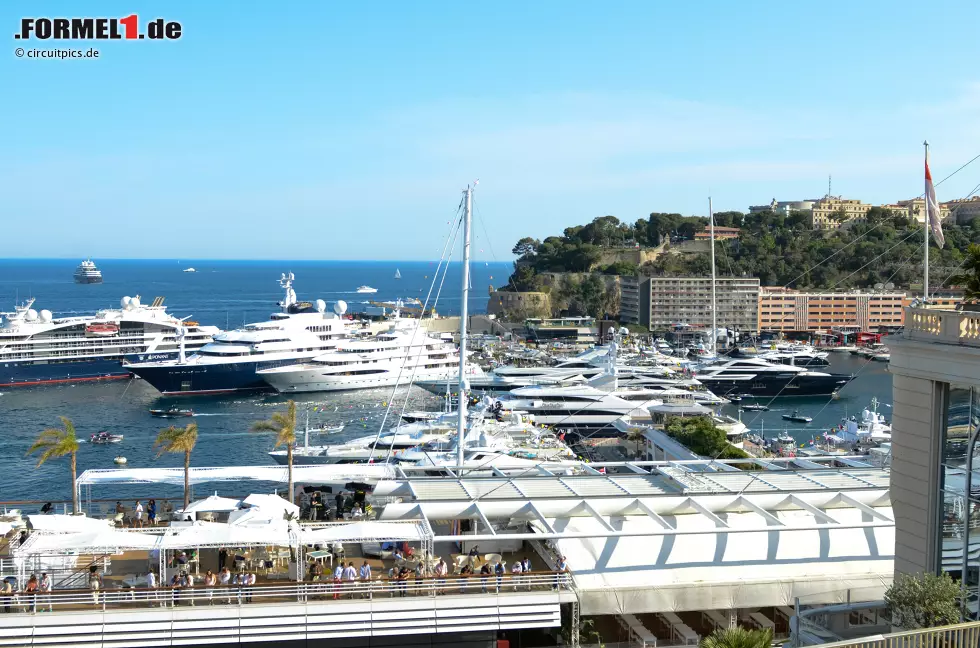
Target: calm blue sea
x: 228, y: 293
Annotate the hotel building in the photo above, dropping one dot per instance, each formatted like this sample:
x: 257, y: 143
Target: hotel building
x: 785, y: 309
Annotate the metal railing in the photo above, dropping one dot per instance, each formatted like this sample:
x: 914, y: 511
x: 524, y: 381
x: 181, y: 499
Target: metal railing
x: 308, y: 591
x: 961, y: 635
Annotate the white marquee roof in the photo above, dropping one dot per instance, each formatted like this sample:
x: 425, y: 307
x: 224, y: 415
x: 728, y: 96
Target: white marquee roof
x: 275, y: 474
x: 66, y: 523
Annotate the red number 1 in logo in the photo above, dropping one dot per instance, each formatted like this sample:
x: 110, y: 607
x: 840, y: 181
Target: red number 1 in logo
x: 130, y: 23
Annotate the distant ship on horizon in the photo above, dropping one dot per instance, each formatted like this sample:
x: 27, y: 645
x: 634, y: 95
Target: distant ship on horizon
x: 88, y: 273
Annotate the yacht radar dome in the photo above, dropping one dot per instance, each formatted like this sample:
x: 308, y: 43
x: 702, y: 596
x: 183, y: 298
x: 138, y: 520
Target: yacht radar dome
x: 340, y: 307
x: 135, y: 301
x: 124, y: 302
x: 321, y: 306
x: 31, y: 315
x: 45, y: 316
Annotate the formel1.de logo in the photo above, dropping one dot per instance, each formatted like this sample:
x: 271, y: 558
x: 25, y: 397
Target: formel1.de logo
x: 127, y: 28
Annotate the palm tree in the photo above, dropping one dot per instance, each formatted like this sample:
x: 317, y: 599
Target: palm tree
x: 738, y: 637
x: 284, y: 425
x: 58, y: 442
x: 635, y: 435
x: 176, y: 440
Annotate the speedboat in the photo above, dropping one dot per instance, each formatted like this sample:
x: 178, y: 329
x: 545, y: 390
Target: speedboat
x: 796, y: 417
x: 103, y: 437
x: 366, y: 289
x: 328, y: 429
x: 754, y: 407
x: 190, y: 270
x: 173, y: 412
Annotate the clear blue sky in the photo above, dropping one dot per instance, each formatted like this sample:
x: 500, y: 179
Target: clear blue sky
x: 346, y: 130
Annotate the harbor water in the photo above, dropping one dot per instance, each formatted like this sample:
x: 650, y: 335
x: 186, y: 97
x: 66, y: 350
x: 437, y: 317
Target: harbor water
x: 229, y: 292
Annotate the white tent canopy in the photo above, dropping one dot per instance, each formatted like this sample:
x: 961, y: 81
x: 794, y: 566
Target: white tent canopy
x: 729, y: 570
x: 66, y: 523
x: 205, y: 534
x: 107, y: 541
x: 271, y: 505
x: 369, y: 531
x: 213, y: 504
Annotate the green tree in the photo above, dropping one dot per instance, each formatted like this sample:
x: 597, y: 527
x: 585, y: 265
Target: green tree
x: 177, y: 440
x: 923, y: 601
x: 526, y: 247
x: 524, y: 279
x: 702, y: 436
x: 624, y: 268
x: 283, y: 425
x: 592, y: 291
x: 738, y: 637
x: 59, y: 442
x: 636, y: 435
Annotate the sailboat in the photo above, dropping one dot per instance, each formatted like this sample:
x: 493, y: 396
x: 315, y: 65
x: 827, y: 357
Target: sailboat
x: 398, y: 273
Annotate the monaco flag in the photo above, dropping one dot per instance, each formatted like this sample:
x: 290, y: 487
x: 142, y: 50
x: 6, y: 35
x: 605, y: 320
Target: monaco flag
x: 932, y: 210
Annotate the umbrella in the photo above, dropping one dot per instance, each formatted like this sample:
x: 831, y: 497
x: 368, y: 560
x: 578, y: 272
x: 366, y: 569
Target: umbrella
x: 213, y: 503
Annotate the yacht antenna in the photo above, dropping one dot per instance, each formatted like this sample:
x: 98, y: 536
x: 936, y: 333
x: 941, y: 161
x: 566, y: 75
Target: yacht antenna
x: 463, y: 314
x: 714, y: 301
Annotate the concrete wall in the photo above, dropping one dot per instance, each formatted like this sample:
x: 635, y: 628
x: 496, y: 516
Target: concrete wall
x: 639, y: 256
x: 529, y: 304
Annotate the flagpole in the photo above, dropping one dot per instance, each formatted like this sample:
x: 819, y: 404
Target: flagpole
x: 925, y: 228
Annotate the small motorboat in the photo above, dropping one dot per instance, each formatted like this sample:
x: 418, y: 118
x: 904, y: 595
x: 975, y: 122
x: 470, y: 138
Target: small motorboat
x: 120, y: 460
x: 101, y: 329
x: 328, y: 429
x: 754, y: 407
x: 786, y: 439
x: 190, y: 270
x: 173, y: 412
x: 366, y: 289
x: 796, y: 417
x: 734, y: 398
x: 103, y: 437
x: 420, y: 416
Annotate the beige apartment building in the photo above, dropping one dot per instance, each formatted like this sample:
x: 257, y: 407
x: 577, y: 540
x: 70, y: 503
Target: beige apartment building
x: 915, y: 209
x: 786, y: 309
x: 830, y: 212
x: 664, y: 302
x: 964, y: 210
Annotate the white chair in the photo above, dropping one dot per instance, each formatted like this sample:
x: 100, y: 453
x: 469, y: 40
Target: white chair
x: 493, y: 558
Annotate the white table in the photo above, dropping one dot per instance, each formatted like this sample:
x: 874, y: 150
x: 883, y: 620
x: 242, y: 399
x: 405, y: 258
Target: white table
x: 638, y: 629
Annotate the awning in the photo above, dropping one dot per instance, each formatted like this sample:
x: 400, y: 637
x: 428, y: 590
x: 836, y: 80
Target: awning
x: 317, y: 474
x: 66, y: 523
x: 204, y: 534
x: 271, y: 505
x: 710, y: 571
x: 108, y: 541
x: 370, y: 531
x: 213, y: 504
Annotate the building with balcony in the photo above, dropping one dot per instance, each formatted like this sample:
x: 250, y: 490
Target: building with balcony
x: 665, y: 302
x: 786, y: 309
x: 915, y: 209
x: 964, y: 210
x: 783, y: 207
x: 935, y: 486
x: 721, y: 234
x: 629, y: 299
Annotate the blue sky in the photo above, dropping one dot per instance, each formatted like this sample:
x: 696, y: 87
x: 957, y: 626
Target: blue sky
x: 346, y: 130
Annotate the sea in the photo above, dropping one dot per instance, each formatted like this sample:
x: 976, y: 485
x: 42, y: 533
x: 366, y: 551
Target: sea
x: 226, y: 294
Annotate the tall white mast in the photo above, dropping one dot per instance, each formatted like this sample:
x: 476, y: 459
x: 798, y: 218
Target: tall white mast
x: 714, y: 300
x: 463, y: 316
x: 925, y: 229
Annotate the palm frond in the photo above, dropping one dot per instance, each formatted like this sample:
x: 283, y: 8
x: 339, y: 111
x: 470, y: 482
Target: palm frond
x: 55, y: 442
x: 264, y: 426
x: 282, y: 423
x: 176, y: 439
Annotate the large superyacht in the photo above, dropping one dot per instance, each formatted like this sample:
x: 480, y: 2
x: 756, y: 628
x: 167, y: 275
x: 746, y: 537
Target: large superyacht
x: 38, y: 348
x: 759, y: 377
x: 300, y: 331
x: 402, y: 353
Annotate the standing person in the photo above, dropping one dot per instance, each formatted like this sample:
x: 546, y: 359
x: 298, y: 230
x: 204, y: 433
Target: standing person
x: 562, y: 569
x: 151, y: 584
x: 138, y: 512
x: 526, y: 568
x: 418, y: 578
x: 338, y: 579
x: 189, y: 584
x: 515, y: 573
x: 350, y: 577
x: 499, y: 571
x: 484, y: 575
x: 339, y: 500
x: 175, y: 588
x: 248, y: 580
x: 464, y: 579
x: 222, y: 558
x: 441, y: 571
x: 94, y: 583
x: 224, y: 579
x: 210, y: 580
x: 365, y: 575
x: 31, y: 591
x: 8, y: 593
x: 45, y: 588
x: 151, y: 512
x: 316, y: 506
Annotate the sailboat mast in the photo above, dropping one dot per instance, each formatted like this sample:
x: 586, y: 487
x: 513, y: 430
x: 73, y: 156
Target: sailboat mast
x: 714, y: 299
x: 463, y: 316
x: 925, y: 229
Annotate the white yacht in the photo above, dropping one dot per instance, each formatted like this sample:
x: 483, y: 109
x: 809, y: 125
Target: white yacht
x: 398, y: 355
x: 87, y: 273
x: 371, y: 448
x: 301, y: 331
x: 364, y: 290
x: 801, y: 356
x: 38, y: 348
